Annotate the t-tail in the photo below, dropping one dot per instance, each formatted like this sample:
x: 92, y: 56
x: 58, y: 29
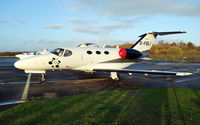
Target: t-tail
x: 147, y: 39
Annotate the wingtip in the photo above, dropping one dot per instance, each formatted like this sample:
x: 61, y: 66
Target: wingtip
x: 184, y: 31
x: 184, y: 74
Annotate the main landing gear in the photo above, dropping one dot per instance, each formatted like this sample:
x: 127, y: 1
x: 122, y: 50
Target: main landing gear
x: 115, y: 76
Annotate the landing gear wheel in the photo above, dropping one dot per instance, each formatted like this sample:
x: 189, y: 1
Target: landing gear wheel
x: 42, y: 78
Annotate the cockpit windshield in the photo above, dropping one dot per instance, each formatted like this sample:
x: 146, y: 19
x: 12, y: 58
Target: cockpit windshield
x: 58, y: 51
x: 68, y: 53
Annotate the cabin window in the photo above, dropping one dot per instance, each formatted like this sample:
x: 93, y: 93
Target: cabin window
x: 98, y: 52
x: 106, y: 52
x: 68, y: 53
x: 89, y: 52
x: 58, y: 51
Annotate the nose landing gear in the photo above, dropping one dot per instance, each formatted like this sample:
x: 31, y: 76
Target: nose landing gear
x: 42, y: 78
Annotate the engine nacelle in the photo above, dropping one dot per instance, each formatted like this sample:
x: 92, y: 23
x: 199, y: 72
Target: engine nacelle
x: 129, y: 53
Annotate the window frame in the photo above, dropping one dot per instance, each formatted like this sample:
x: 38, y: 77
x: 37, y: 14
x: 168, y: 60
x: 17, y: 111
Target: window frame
x: 106, y: 52
x: 89, y: 52
x: 98, y: 52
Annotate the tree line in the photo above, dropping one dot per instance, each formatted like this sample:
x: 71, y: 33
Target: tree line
x: 162, y: 51
x: 9, y: 54
x: 175, y: 51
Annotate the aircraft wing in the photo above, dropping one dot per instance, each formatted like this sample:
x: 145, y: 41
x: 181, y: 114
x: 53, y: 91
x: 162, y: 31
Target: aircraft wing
x: 145, y: 71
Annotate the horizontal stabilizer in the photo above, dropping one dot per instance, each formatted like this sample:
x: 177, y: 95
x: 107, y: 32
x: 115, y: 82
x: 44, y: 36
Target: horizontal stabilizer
x: 166, y: 33
x: 145, y: 72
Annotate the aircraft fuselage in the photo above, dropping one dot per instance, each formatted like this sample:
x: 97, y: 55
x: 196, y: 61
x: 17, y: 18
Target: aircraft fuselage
x: 85, y: 59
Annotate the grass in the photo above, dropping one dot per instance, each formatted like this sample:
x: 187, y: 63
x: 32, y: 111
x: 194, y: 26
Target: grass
x: 167, y: 106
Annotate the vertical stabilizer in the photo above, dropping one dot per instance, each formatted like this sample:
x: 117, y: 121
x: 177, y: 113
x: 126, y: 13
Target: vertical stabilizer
x: 147, y: 39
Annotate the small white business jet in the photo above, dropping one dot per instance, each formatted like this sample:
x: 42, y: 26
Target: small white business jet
x: 113, y: 60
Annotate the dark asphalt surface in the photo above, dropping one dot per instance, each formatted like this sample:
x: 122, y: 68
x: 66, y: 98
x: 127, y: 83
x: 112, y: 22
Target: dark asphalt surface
x: 65, y: 83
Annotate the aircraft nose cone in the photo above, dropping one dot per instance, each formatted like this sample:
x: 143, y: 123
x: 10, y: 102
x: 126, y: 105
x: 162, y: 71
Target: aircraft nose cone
x: 19, y: 64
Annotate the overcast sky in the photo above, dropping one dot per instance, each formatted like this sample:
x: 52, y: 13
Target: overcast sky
x: 27, y: 25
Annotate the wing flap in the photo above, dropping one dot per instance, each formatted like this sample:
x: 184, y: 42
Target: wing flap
x: 145, y: 71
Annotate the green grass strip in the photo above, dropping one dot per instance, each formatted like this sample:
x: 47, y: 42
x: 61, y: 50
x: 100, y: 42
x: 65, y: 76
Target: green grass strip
x: 177, y: 106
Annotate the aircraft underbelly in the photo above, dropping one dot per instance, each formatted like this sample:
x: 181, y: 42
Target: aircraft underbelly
x: 112, y: 65
x: 104, y: 65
